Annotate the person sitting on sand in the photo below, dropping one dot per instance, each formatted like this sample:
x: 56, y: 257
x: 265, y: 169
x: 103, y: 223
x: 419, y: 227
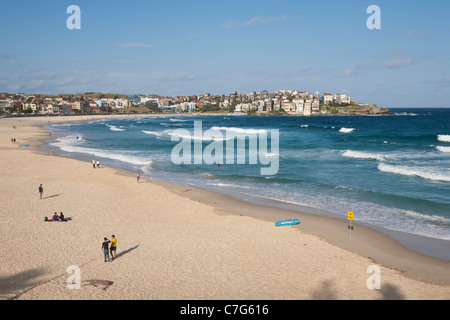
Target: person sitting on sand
x: 55, y: 217
x: 61, y: 217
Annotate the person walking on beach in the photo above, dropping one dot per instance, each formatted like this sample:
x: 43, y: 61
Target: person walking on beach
x: 113, y: 247
x: 93, y: 164
x: 98, y: 164
x: 138, y: 175
x: 105, y: 247
x: 41, y: 191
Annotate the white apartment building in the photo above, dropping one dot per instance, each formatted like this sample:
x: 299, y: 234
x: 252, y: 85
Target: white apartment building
x: 315, y: 107
x: 299, y: 104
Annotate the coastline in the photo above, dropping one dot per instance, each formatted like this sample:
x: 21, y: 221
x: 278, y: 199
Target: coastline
x: 367, y: 245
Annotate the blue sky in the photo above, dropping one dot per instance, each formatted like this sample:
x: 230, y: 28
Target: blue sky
x: 197, y: 46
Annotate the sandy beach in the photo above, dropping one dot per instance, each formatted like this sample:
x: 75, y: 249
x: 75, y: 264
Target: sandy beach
x: 177, y: 242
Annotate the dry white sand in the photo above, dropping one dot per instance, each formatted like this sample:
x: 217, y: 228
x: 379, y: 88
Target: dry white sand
x: 169, y: 246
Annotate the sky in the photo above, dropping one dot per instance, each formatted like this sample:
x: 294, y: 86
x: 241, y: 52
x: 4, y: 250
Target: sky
x: 190, y: 47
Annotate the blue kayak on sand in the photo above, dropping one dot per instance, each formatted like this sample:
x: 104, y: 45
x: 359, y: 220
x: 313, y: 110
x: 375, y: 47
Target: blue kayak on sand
x: 288, y: 222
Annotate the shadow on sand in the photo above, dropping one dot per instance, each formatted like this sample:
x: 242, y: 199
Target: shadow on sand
x: 126, y: 251
x: 52, y: 196
x: 14, y: 286
x: 328, y: 292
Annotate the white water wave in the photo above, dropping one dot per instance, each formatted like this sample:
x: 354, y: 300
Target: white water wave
x: 444, y: 138
x: 363, y: 155
x: 195, y: 137
x: 114, y: 128
x: 73, y: 145
x: 155, y: 133
x: 424, y: 173
x: 443, y: 149
x: 347, y: 130
x: 241, y: 130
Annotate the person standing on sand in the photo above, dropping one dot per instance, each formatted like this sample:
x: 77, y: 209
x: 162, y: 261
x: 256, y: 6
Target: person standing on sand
x: 98, y: 164
x: 113, y: 247
x: 93, y: 164
x: 138, y: 175
x: 105, y: 247
x: 41, y: 191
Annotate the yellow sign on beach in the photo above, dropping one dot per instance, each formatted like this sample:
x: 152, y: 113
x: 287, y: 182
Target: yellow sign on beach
x: 350, y: 215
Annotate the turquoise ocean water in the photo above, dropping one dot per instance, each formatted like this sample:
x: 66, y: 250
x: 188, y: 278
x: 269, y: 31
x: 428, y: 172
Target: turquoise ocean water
x: 391, y: 171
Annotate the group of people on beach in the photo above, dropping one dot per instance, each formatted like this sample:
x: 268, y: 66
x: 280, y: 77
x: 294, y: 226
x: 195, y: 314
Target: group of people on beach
x: 58, y: 218
x: 107, y: 250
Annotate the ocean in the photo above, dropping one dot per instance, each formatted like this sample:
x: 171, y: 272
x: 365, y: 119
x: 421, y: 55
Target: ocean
x: 392, y: 171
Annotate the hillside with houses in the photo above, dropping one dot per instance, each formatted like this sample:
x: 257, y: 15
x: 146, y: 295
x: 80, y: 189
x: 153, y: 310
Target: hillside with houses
x: 283, y: 102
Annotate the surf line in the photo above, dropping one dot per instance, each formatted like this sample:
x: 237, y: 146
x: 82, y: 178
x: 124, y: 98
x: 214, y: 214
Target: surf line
x: 222, y: 150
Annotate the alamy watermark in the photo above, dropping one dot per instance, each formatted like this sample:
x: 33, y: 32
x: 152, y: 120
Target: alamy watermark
x: 374, y: 21
x: 221, y: 150
x: 374, y: 281
x: 74, y: 21
x: 74, y: 280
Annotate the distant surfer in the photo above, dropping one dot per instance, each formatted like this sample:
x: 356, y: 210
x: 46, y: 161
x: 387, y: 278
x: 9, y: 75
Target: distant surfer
x: 219, y: 165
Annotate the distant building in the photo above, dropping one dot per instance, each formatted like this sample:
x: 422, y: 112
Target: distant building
x: 327, y: 98
x: 307, y: 109
x: 290, y: 107
x: 315, y: 107
x: 299, y: 104
x: 5, y: 104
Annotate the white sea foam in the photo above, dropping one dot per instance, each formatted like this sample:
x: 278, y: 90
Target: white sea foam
x: 73, y: 145
x: 444, y: 138
x: 270, y: 155
x: 241, y: 130
x: 443, y: 149
x: 114, y: 128
x: 230, y: 185
x: 177, y: 120
x: 424, y: 173
x: 65, y: 125
x: 155, y: 133
x: 406, y: 114
x: 347, y: 130
x: 195, y: 137
x: 304, y: 125
x: 363, y: 155
x: 208, y: 175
